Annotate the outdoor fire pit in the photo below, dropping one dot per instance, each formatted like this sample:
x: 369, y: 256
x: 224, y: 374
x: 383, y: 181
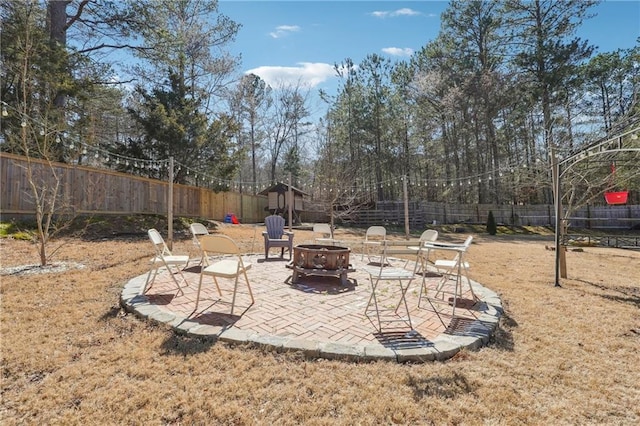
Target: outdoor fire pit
x: 314, y: 259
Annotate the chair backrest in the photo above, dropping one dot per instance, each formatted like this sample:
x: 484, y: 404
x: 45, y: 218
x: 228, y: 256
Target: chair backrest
x: 376, y: 232
x: 197, y: 230
x: 218, y: 244
x: 323, y: 229
x: 275, y: 226
x: 467, y: 242
x: 429, y: 235
x: 463, y: 248
x: 158, y: 243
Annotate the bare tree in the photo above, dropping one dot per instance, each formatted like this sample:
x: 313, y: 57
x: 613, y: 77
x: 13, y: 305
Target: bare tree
x: 287, y: 123
x: 338, y: 190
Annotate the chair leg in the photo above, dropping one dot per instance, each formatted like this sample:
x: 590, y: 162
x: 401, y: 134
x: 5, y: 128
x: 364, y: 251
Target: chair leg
x: 375, y: 302
x: 215, y: 280
x: 423, y: 287
x: 172, y: 274
x: 249, y: 287
x: 403, y: 298
x: 197, y: 295
x: 148, y: 284
x: 466, y: 274
x: 235, y: 291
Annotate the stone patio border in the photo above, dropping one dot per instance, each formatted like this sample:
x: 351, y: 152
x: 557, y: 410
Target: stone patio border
x: 475, y: 334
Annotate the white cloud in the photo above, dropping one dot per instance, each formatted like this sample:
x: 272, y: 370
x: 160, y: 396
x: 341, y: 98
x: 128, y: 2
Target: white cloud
x: 398, y: 51
x: 307, y: 73
x: 405, y: 11
x: 284, y: 30
x: 380, y: 14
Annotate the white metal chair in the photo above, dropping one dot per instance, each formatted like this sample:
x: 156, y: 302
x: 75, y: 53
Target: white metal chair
x: 276, y: 236
x: 164, y: 257
x: 450, y: 270
x: 230, y: 266
x: 323, y: 234
x: 374, y: 239
x: 422, y: 250
x: 377, y: 274
x: 198, y: 230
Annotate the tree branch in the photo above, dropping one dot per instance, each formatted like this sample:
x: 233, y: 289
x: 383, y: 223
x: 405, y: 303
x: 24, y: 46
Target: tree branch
x: 75, y: 17
x: 113, y: 46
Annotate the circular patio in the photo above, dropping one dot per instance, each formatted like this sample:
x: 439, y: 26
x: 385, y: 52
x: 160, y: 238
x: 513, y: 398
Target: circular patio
x: 318, y: 315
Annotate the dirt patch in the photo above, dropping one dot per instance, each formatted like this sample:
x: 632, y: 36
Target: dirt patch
x: 53, y: 268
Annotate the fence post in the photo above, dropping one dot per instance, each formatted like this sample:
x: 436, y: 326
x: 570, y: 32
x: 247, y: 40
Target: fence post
x: 290, y: 204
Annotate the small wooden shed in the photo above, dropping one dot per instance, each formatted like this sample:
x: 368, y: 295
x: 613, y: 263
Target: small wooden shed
x: 279, y: 199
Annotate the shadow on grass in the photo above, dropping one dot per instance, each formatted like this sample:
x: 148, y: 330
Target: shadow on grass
x: 113, y: 312
x: 448, y: 386
x: 627, y: 294
x: 502, y: 337
x: 183, y: 345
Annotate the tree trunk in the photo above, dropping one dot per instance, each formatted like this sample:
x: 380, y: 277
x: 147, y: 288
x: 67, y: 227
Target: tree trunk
x: 57, y: 11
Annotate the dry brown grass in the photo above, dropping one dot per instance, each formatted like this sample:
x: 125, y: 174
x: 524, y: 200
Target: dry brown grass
x: 567, y: 355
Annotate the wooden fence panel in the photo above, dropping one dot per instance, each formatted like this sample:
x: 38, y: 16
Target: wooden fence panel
x: 92, y: 190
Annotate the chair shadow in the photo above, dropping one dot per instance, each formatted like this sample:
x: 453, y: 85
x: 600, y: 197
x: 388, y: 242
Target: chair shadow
x: 378, y: 264
x: 160, y: 299
x: 402, y: 339
x: 220, y: 318
x: 468, y: 304
x: 196, y: 269
x: 429, y: 274
x: 467, y: 327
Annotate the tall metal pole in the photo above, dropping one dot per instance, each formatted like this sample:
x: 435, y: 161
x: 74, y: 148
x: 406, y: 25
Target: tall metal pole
x: 170, y: 206
x: 557, y: 200
x: 406, y: 206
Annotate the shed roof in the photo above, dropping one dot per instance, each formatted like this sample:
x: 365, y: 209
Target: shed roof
x: 282, y: 187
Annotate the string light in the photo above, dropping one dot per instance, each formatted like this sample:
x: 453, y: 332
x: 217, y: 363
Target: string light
x: 158, y: 165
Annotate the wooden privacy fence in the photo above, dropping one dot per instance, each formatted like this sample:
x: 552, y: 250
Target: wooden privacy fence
x: 97, y: 191
x: 86, y: 190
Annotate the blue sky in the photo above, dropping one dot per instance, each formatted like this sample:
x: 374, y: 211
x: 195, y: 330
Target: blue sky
x: 291, y: 40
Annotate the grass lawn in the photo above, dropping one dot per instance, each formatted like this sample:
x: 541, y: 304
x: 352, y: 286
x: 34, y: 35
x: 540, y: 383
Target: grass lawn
x: 71, y: 355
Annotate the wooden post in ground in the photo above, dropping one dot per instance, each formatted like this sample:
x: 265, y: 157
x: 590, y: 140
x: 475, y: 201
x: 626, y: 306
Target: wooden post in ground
x: 290, y: 203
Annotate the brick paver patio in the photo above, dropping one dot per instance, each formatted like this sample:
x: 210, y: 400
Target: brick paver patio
x: 318, y: 315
